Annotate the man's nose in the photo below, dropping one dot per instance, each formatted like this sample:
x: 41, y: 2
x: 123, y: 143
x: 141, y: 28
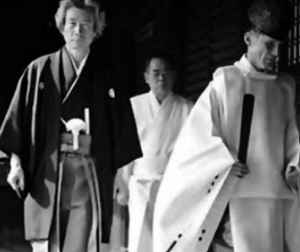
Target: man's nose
x: 276, y: 50
x: 78, y: 29
x: 161, y: 76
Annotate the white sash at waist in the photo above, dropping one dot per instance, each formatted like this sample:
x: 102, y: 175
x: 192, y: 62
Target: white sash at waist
x: 150, y: 168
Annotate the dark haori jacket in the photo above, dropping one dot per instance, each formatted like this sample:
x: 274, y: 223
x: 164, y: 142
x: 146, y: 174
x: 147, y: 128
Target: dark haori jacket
x: 32, y: 127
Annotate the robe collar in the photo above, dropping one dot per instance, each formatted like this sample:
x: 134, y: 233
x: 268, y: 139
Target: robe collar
x: 57, y: 68
x: 82, y: 63
x: 78, y: 71
x: 245, y: 65
x: 154, y: 104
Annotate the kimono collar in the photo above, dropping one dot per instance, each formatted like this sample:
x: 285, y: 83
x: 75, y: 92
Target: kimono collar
x: 250, y: 71
x: 154, y: 104
x: 155, y: 101
x: 82, y: 63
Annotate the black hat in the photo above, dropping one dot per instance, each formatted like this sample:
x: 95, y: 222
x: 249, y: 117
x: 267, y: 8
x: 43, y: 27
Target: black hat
x: 271, y: 17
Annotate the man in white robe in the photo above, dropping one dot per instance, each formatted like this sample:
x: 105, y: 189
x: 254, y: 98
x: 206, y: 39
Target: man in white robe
x: 159, y: 116
x: 264, y: 206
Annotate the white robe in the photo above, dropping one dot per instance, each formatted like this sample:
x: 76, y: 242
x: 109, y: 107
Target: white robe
x: 158, y: 128
x: 198, y: 184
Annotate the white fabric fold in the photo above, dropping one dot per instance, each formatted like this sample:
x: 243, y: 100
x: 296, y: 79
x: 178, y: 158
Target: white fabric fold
x: 189, y: 205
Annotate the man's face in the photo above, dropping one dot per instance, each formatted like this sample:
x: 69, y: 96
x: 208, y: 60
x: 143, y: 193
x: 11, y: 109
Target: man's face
x: 264, y: 52
x: 160, y: 77
x: 78, y: 29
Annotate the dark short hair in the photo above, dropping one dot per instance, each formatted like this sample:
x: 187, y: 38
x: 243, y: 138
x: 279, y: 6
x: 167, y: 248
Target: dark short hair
x: 167, y: 58
x: 92, y: 6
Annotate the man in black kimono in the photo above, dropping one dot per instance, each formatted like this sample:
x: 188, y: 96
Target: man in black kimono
x: 67, y: 131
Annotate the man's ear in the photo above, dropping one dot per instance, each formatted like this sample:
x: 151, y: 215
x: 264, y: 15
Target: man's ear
x: 247, y: 38
x: 146, y: 76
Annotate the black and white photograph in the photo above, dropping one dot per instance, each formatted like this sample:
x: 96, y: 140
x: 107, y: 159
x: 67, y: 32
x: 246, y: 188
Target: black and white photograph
x: 150, y: 126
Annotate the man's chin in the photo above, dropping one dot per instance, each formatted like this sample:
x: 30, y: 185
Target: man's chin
x: 78, y: 46
x: 271, y: 70
x: 271, y: 67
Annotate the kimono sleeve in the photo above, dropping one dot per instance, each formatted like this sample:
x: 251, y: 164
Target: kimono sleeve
x: 292, y: 145
x: 13, y: 126
x: 200, y: 158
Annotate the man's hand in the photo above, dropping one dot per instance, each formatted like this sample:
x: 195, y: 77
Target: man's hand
x: 293, y: 178
x: 239, y: 169
x: 121, y: 192
x: 16, y: 175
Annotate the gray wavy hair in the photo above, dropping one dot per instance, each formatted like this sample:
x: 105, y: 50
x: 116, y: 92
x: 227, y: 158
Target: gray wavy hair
x: 92, y: 6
